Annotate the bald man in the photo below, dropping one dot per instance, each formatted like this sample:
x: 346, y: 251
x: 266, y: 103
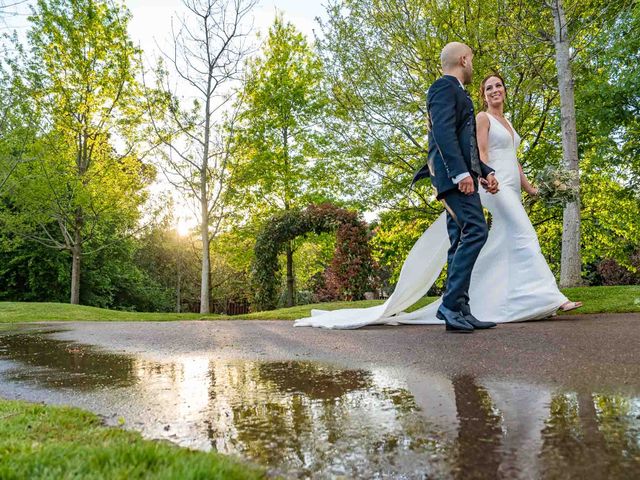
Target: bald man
x: 455, y: 169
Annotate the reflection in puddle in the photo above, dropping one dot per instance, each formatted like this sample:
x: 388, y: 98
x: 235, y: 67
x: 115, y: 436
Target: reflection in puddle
x: 60, y: 364
x: 303, y: 419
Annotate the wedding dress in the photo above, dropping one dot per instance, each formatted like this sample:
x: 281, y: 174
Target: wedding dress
x: 511, y: 279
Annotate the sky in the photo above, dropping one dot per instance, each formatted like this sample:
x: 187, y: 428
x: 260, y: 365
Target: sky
x: 151, y: 20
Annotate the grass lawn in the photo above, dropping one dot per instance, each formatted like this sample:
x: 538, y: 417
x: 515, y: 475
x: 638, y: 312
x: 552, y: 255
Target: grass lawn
x: 14, y: 312
x: 293, y: 313
x: 620, y: 299
x: 596, y: 300
x: 45, y: 442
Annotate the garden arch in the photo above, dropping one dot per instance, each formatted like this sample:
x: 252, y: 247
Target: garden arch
x: 352, y: 265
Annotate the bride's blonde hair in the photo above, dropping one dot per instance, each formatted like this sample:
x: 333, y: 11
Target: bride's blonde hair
x: 483, y: 84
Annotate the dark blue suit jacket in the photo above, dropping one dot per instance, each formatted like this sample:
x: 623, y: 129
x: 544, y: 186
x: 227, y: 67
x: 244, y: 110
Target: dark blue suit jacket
x: 452, y: 124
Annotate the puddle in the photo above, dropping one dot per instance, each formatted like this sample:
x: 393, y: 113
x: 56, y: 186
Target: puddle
x: 305, y: 419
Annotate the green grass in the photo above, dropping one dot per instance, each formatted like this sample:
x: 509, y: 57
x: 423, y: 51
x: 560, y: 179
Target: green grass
x: 620, y: 299
x: 14, y: 312
x: 45, y: 442
x: 596, y: 300
x: 293, y: 313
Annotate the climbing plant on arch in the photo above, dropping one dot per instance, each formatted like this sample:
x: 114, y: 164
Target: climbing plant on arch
x: 352, y: 265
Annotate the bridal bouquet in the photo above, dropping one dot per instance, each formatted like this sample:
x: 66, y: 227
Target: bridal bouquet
x: 556, y: 186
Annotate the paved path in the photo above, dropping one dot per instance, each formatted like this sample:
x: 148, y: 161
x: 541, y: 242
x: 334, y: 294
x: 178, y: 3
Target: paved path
x: 406, y: 399
x: 589, y: 351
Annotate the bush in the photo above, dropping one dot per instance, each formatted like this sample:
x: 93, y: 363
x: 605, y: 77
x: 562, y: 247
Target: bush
x: 611, y: 272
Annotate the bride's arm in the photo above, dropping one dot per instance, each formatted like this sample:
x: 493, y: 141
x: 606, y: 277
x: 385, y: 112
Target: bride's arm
x: 525, y: 184
x: 482, y: 135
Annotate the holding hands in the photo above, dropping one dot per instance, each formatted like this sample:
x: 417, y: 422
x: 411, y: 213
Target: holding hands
x: 466, y: 186
x: 490, y: 184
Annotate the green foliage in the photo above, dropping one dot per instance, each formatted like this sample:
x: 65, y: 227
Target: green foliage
x: 170, y: 261
x: 113, y: 277
x: 30, y: 271
x: 77, y: 192
x: 349, y: 275
x: 609, y: 225
x: 312, y: 254
x: 46, y: 442
x: 342, y: 120
x: 380, y: 59
x: 275, y: 138
x: 607, y: 87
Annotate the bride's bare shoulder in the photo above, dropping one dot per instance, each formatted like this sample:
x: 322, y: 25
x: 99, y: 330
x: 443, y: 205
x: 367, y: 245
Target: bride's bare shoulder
x: 482, y: 121
x: 482, y: 116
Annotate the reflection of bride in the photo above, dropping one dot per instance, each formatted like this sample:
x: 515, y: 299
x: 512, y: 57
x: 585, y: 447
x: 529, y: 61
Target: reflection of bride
x: 511, y: 280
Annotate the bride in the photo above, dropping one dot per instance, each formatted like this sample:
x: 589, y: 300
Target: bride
x: 511, y: 280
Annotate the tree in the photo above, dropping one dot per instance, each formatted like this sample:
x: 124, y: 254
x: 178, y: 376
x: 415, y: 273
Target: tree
x: 278, y: 133
x: 172, y: 261
x: 382, y: 56
x: 209, y: 47
x: 571, y: 265
x: 18, y: 121
x: 569, y: 27
x: 79, y: 76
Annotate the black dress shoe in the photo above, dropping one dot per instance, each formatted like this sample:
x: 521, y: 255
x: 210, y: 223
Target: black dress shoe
x: 475, y: 323
x: 455, y: 321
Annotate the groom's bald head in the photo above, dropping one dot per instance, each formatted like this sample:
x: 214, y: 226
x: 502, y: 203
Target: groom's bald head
x: 455, y: 58
x: 452, y: 53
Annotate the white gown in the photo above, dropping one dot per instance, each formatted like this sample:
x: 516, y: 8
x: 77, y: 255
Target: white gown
x: 511, y: 281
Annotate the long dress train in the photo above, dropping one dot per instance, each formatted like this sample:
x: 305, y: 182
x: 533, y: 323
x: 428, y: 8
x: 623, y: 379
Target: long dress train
x: 511, y: 280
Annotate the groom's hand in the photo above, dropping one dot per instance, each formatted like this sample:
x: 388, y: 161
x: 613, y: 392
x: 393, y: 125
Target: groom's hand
x: 490, y: 184
x: 466, y: 185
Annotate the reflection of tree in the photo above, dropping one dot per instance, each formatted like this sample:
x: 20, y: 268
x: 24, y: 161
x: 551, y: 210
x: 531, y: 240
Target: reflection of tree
x: 620, y: 428
x: 63, y: 364
x: 282, y: 406
x: 561, y: 436
x: 590, y: 436
x: 313, y: 380
x: 479, y: 433
x: 309, y: 418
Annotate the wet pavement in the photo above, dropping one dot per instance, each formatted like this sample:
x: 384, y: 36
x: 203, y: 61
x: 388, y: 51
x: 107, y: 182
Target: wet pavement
x: 554, y: 399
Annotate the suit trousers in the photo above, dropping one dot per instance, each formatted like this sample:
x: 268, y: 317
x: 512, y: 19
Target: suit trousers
x: 468, y: 232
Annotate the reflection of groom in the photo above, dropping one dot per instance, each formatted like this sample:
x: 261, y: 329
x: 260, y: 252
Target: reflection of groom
x: 454, y: 167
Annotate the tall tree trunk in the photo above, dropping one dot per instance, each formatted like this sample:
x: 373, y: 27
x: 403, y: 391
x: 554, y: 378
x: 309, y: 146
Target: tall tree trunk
x: 290, y: 280
x: 206, y: 262
x: 179, y: 284
x: 571, y: 262
x: 204, y: 208
x: 76, y: 255
x: 289, y: 247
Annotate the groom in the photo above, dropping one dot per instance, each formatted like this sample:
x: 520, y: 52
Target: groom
x: 454, y: 165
